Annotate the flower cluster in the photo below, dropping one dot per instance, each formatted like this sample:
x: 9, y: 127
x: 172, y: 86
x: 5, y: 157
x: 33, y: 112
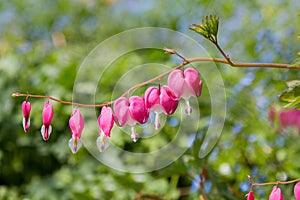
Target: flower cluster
x: 276, y: 193
x: 127, y: 111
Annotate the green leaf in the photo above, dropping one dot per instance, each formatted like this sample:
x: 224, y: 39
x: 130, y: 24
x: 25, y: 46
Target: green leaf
x: 293, y: 103
x: 296, y: 62
x: 291, y: 94
x: 208, y: 29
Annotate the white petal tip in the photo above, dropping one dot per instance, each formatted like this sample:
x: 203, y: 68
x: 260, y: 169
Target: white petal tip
x: 45, y: 134
x: 188, y: 110
x: 26, y: 126
x: 75, y: 144
x: 157, y: 121
x: 102, y: 143
x: 134, y: 137
x: 156, y: 126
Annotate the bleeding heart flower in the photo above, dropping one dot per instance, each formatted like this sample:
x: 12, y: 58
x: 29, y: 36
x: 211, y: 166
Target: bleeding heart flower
x: 76, y: 124
x: 250, y: 195
x: 276, y: 194
x: 105, y: 122
x: 160, y: 100
x: 297, y: 191
x: 185, y: 84
x: 26, y: 115
x: 131, y: 111
x: 47, y: 118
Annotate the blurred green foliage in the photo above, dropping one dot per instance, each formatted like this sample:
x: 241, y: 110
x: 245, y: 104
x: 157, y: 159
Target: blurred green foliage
x: 42, y: 44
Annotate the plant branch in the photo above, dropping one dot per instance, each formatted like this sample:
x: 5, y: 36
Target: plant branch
x: 276, y: 183
x: 185, y: 61
x: 140, y: 196
x: 226, y: 56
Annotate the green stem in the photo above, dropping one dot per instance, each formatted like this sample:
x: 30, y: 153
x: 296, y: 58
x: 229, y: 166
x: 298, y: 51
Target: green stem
x: 276, y: 183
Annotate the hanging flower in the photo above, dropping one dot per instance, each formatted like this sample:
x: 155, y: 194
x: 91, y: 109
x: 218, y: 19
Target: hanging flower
x: 26, y: 115
x: 297, y: 191
x: 47, y: 118
x: 105, y: 122
x: 160, y: 100
x: 131, y: 111
x: 250, y: 195
x: 76, y: 124
x: 185, y: 84
x: 276, y: 194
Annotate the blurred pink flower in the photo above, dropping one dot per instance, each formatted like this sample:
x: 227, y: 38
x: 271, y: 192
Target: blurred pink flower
x: 285, y: 118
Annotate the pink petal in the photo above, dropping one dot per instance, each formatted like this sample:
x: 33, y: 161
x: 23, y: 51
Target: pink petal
x: 176, y: 82
x: 138, y: 110
x: 47, y: 113
x: 298, y: 120
x: 168, y: 100
x: 26, y: 107
x: 106, y: 120
x: 151, y: 97
x: 297, y: 191
x: 283, y: 119
x: 121, y: 110
x: 250, y: 195
x: 289, y: 118
x: 76, y: 123
x: 192, y: 79
x: 276, y: 194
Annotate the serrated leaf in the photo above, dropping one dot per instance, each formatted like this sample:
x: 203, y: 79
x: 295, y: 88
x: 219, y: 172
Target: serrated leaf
x: 291, y: 94
x: 293, y: 103
x: 208, y: 28
x: 292, y: 84
x: 296, y: 62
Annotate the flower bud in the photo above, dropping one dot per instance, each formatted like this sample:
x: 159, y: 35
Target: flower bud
x: 250, y: 195
x: 47, y: 118
x: 26, y: 107
x: 105, y: 122
x: 76, y: 124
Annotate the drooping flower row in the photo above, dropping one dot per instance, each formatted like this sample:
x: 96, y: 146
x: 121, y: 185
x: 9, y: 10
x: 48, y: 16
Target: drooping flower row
x: 127, y: 111
x: 276, y: 193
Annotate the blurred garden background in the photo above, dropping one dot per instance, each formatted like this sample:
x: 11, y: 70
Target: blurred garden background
x: 42, y: 45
